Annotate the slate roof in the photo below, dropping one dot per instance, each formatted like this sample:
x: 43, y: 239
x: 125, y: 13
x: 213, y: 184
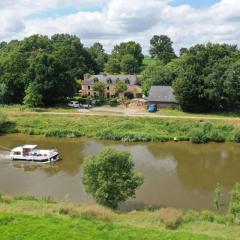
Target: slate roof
x: 162, y: 94
x: 133, y: 80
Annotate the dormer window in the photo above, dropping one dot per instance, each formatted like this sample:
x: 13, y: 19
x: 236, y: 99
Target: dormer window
x: 96, y: 80
x: 109, y: 81
x: 127, y: 81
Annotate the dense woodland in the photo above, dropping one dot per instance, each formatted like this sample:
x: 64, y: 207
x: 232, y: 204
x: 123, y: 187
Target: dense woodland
x: 45, y: 71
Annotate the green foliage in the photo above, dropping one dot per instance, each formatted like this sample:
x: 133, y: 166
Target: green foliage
x: 159, y: 74
x: 198, y: 136
x: 121, y: 87
x: 33, y: 98
x: 237, y: 136
x: 98, y: 54
x: 51, y: 64
x: 113, y: 102
x: 217, y: 198
x: 161, y: 48
x: 126, y: 57
x: 110, y: 177
x: 129, y: 64
x: 100, y: 88
x: 208, y: 78
x: 217, y: 137
x: 234, y: 206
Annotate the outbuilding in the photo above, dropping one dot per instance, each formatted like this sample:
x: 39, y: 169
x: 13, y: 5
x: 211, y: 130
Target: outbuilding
x: 163, y: 96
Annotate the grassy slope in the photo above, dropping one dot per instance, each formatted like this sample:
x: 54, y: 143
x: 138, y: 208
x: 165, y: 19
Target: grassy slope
x: 28, y: 219
x: 114, y: 127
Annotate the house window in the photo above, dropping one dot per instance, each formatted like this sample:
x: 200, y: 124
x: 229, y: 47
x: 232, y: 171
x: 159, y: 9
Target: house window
x: 89, y: 93
x: 108, y: 88
x: 89, y: 87
x: 109, y: 81
x: 127, y: 81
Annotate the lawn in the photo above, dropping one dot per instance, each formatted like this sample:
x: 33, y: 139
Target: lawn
x: 27, y: 218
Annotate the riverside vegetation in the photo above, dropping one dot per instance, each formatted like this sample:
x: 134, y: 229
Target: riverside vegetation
x: 25, y: 218
x: 126, y: 129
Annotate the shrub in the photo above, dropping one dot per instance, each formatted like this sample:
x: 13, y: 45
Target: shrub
x: 207, y: 215
x: 171, y: 217
x: 113, y: 102
x: 191, y: 216
x: 217, y: 137
x: 237, y: 136
x: 234, y: 206
x: 110, y: 177
x: 198, y: 136
x: 25, y: 198
x: 97, y: 212
x: 48, y: 199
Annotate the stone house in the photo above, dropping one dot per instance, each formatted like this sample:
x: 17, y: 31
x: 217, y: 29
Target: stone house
x: 110, y: 81
x: 163, y: 96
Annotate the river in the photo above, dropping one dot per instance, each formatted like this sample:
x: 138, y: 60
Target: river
x: 180, y: 175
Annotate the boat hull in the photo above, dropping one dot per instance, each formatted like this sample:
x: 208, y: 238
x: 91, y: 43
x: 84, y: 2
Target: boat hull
x: 53, y: 158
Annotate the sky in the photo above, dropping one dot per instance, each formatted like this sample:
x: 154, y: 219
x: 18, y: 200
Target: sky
x: 186, y: 22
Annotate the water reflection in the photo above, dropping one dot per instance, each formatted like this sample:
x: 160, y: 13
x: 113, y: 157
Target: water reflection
x: 176, y: 174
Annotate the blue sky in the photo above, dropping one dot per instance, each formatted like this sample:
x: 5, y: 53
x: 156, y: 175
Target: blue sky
x: 59, y: 12
x: 195, y: 3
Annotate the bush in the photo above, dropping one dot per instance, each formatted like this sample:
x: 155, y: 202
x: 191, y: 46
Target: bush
x: 234, y: 206
x: 217, y: 137
x: 110, y: 178
x: 171, y: 217
x: 113, y: 102
x: 198, y: 136
x: 97, y: 212
x: 3, y: 121
x: 237, y: 136
x: 207, y: 215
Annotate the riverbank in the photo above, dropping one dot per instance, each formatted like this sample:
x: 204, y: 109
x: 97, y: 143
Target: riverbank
x: 126, y: 129
x: 25, y: 218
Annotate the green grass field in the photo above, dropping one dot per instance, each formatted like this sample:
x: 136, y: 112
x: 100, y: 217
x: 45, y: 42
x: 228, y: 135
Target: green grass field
x: 126, y: 129
x: 26, y: 218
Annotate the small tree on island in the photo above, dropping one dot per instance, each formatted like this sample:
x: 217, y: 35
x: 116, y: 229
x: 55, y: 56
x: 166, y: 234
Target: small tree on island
x: 110, y: 178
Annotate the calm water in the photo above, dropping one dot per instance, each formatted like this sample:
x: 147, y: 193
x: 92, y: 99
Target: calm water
x: 179, y: 175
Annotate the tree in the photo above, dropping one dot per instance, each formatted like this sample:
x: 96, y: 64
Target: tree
x: 159, y: 74
x: 182, y: 51
x: 161, y: 48
x: 53, y: 81
x: 234, y: 206
x: 121, y: 87
x: 33, y: 98
x: 110, y: 177
x: 129, y: 64
x: 113, y: 65
x: 125, y: 57
x: 100, y: 88
x: 206, y: 78
x: 97, y: 52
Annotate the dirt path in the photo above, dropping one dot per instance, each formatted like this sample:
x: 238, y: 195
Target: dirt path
x: 125, y: 113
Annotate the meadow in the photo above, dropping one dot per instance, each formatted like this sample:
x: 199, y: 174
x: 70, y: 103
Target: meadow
x: 28, y: 218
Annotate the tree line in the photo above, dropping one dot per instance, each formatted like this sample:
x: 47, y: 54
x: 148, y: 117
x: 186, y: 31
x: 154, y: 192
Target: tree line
x: 44, y: 71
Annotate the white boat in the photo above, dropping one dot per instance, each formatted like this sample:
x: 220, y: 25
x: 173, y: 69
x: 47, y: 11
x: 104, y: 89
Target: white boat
x: 32, y: 154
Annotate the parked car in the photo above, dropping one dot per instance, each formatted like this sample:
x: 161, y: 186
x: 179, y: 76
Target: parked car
x: 74, y: 104
x: 152, y: 108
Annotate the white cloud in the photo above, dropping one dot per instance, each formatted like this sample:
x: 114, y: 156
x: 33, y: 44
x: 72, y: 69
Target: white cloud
x: 123, y: 20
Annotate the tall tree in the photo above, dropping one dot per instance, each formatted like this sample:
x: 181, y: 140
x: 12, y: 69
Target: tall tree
x: 126, y: 57
x: 203, y: 81
x: 161, y: 48
x: 98, y: 53
x: 53, y: 81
